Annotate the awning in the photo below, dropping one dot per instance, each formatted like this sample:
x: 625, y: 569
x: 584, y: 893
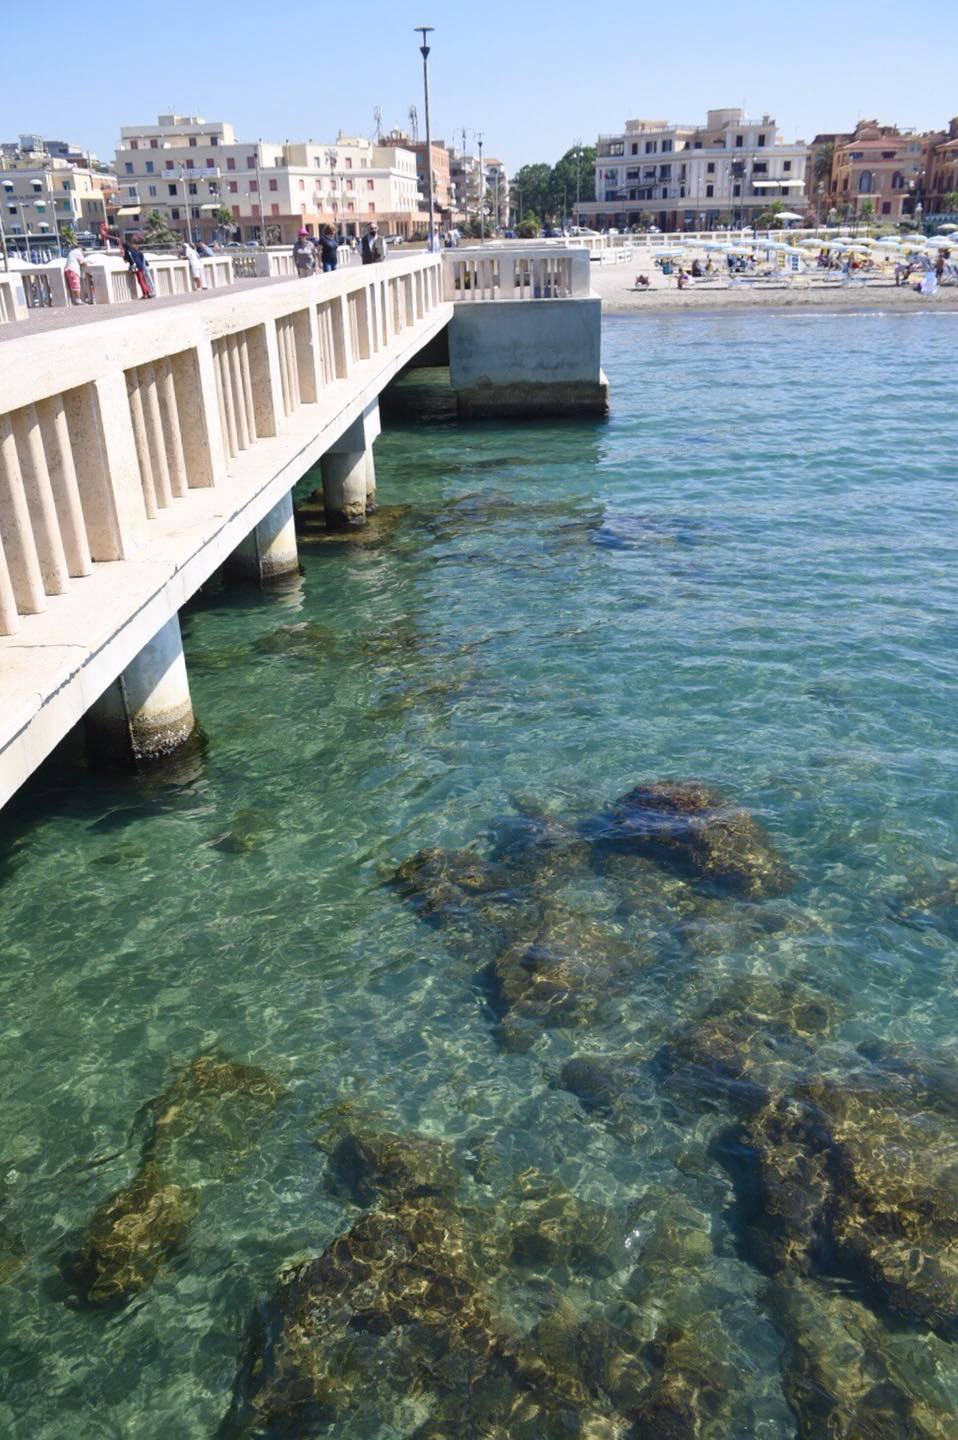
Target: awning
x: 129, y: 210
x: 766, y: 184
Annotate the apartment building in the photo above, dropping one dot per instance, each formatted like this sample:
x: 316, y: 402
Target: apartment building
x: 39, y: 196
x: 880, y: 171
x: 204, y: 182
x: 441, y: 178
x: 692, y: 176
x: 467, y: 187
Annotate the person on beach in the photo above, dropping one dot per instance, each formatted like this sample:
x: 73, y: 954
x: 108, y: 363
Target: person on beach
x: 683, y: 279
x: 372, y: 249
x: 642, y: 282
x: 197, y: 276
x: 137, y: 262
x: 304, y: 255
x: 73, y: 271
x: 329, y: 248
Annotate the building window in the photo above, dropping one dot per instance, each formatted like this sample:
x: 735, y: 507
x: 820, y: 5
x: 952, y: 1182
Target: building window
x: 168, y: 164
x: 665, y: 172
x: 371, y: 207
x: 786, y: 166
x: 710, y: 167
x: 251, y: 162
x: 254, y: 184
x: 232, y: 186
x: 274, y: 184
x: 192, y: 142
x: 230, y: 163
x: 274, y: 209
x: 151, y: 189
x: 154, y: 144
x: 190, y: 165
x: 865, y: 183
x: 128, y: 166
x: 350, y: 185
x: 255, y: 210
x: 149, y: 167
x: 886, y: 207
x: 210, y: 163
x: 302, y: 184
x: 174, y: 213
x: 192, y: 187
x: 898, y: 181
x: 651, y: 146
x: 214, y: 139
x: 349, y: 163
x: 134, y: 144
x: 736, y: 189
x: 761, y: 141
x: 760, y: 167
x: 709, y: 191
x: 370, y: 184
x: 635, y: 148
x: 666, y: 146
x: 235, y: 209
x: 739, y: 141
x: 171, y: 189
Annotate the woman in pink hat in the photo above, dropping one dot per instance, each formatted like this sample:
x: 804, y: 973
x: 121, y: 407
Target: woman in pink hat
x: 304, y: 254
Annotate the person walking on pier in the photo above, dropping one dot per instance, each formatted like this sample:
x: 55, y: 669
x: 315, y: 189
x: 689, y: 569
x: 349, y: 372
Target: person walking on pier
x: 329, y: 248
x: 196, y: 266
x: 373, y: 249
x: 73, y: 271
x: 304, y: 255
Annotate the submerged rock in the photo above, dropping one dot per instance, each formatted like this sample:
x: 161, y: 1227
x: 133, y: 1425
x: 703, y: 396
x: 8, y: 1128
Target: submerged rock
x: 688, y: 1398
x: 838, y: 1376
x: 369, y: 1167
x: 458, y: 887
x: 599, y: 1082
x: 930, y: 902
x: 558, y: 977
x: 552, y: 1228
x: 857, y: 1180
x: 751, y: 1039
x: 692, y: 827
x: 538, y: 846
x: 304, y: 640
x: 245, y: 832
x: 198, y: 1127
x: 394, y: 1304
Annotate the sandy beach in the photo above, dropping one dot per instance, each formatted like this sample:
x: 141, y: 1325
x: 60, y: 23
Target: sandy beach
x: 613, y: 284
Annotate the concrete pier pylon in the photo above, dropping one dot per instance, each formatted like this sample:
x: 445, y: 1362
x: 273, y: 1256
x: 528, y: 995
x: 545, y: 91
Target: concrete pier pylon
x: 269, y: 553
x: 370, y: 481
x: 147, y: 712
x: 344, y: 487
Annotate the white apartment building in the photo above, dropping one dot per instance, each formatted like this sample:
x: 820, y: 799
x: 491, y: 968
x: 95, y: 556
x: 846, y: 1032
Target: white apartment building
x: 466, y: 188
x: 683, y: 177
x: 40, y: 195
x: 194, y: 172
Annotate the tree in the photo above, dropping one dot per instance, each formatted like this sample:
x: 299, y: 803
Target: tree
x: 951, y: 202
x: 531, y: 188
x: 157, y: 232
x: 224, y: 219
x: 67, y: 233
x: 562, y: 182
x: 868, y: 210
x: 822, y: 163
x: 528, y: 227
x: 771, y: 215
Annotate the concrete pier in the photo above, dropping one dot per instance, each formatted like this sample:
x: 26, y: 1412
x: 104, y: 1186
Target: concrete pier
x: 370, y: 481
x: 344, y: 487
x: 146, y: 713
x: 268, y: 555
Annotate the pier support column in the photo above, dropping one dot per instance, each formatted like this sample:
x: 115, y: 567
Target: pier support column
x: 370, y: 481
x: 147, y: 712
x: 268, y: 554
x: 344, y: 487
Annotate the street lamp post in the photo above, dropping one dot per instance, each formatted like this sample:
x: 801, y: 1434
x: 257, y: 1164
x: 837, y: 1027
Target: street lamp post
x: 424, y: 49
x: 482, y: 194
x: 259, y: 191
x: 578, y: 188
x: 331, y: 158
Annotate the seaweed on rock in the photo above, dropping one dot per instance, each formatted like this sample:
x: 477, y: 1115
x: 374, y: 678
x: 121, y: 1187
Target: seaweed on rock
x: 459, y: 888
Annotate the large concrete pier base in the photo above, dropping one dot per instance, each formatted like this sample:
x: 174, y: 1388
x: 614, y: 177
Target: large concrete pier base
x: 268, y: 554
x: 540, y: 358
x: 146, y: 713
x: 344, y: 487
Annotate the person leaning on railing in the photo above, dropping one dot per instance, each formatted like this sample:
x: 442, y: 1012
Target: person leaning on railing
x: 304, y: 255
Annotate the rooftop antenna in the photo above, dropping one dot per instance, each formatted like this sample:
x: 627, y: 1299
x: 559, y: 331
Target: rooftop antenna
x: 414, y: 123
x: 378, y: 117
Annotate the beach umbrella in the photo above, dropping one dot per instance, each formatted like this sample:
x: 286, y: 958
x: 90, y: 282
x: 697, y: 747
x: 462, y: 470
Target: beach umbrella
x: 940, y: 242
x: 787, y: 215
x: 947, y: 229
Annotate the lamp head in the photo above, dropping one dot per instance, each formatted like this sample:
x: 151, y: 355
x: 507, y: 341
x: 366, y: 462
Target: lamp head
x: 424, y: 30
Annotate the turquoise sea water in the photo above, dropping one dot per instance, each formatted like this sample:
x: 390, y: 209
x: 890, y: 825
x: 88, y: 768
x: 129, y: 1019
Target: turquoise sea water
x: 746, y: 577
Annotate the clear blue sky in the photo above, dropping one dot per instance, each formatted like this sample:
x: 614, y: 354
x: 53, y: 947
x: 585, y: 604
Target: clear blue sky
x: 533, y: 78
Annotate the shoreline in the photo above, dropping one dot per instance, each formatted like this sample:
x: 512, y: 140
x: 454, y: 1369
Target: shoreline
x: 613, y: 287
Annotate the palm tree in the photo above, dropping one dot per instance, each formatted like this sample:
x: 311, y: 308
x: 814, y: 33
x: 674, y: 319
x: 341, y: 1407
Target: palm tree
x: 822, y: 164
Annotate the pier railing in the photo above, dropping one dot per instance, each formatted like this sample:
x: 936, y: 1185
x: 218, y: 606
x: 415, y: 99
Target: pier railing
x: 105, y: 431
x: 517, y: 272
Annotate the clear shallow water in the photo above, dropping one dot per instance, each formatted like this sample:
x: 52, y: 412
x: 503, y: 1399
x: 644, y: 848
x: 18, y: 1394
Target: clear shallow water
x: 746, y: 577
